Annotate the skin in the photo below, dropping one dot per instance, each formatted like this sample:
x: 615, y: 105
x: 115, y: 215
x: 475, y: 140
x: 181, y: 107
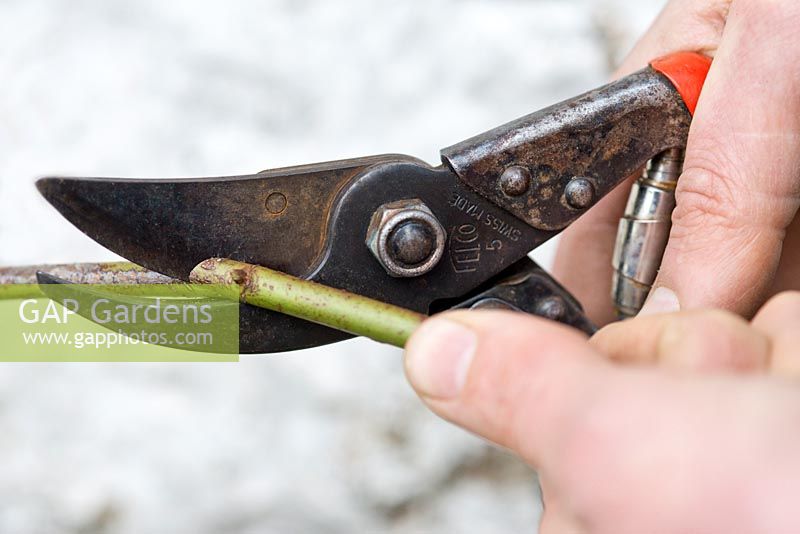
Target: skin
x: 675, y: 421
x: 735, y: 239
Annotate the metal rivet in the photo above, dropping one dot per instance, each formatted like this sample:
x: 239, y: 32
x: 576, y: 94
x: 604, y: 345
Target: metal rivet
x: 276, y: 203
x: 579, y: 193
x: 553, y: 308
x: 515, y: 181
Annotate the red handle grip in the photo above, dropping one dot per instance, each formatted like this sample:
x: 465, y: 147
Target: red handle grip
x: 687, y: 71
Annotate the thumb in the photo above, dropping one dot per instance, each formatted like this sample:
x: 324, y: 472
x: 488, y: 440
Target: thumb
x: 741, y: 182
x: 518, y: 381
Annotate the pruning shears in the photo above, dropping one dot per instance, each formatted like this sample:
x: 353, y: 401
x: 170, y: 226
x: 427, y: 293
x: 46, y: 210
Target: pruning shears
x: 398, y: 230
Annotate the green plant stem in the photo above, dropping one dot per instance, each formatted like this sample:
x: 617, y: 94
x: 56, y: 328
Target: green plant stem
x: 311, y: 301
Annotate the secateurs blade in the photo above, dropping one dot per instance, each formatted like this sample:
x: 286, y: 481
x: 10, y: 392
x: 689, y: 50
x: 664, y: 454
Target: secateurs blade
x: 393, y: 228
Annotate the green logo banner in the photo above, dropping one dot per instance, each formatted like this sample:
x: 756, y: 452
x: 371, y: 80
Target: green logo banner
x: 114, y: 323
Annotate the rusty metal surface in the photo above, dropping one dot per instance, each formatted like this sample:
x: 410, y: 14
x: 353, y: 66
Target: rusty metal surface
x: 170, y: 226
x: 601, y: 137
x: 312, y: 221
x: 124, y: 273
x: 276, y: 217
x: 526, y: 287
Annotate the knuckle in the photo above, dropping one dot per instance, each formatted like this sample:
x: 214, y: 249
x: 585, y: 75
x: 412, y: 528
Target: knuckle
x: 713, y: 327
x: 714, y: 14
x: 774, y: 21
x: 705, y: 197
x: 712, y: 340
x: 705, y: 326
x: 701, y: 24
x: 715, y: 319
x: 710, y: 203
x: 764, y: 14
x: 785, y: 303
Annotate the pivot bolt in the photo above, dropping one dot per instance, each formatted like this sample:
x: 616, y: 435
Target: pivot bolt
x: 412, y: 242
x: 579, y: 193
x: 406, y: 238
x: 515, y: 181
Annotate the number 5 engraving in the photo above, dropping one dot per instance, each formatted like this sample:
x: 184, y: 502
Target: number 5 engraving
x: 496, y: 244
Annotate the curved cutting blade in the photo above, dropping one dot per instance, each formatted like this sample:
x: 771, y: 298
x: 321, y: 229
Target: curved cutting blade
x: 309, y: 221
x: 276, y: 218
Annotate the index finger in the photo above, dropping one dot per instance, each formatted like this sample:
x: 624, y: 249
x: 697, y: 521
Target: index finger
x: 740, y: 188
x: 583, y: 261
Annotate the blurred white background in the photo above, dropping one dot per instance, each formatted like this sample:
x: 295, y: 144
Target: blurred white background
x: 327, y: 440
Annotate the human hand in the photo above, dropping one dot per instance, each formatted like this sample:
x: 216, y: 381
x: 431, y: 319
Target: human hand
x: 735, y: 238
x: 671, y: 423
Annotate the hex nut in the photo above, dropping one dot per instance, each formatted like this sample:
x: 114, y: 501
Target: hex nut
x: 406, y: 238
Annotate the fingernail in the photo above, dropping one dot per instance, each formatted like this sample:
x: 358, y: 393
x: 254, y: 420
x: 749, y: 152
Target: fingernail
x: 662, y: 300
x: 438, y: 357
